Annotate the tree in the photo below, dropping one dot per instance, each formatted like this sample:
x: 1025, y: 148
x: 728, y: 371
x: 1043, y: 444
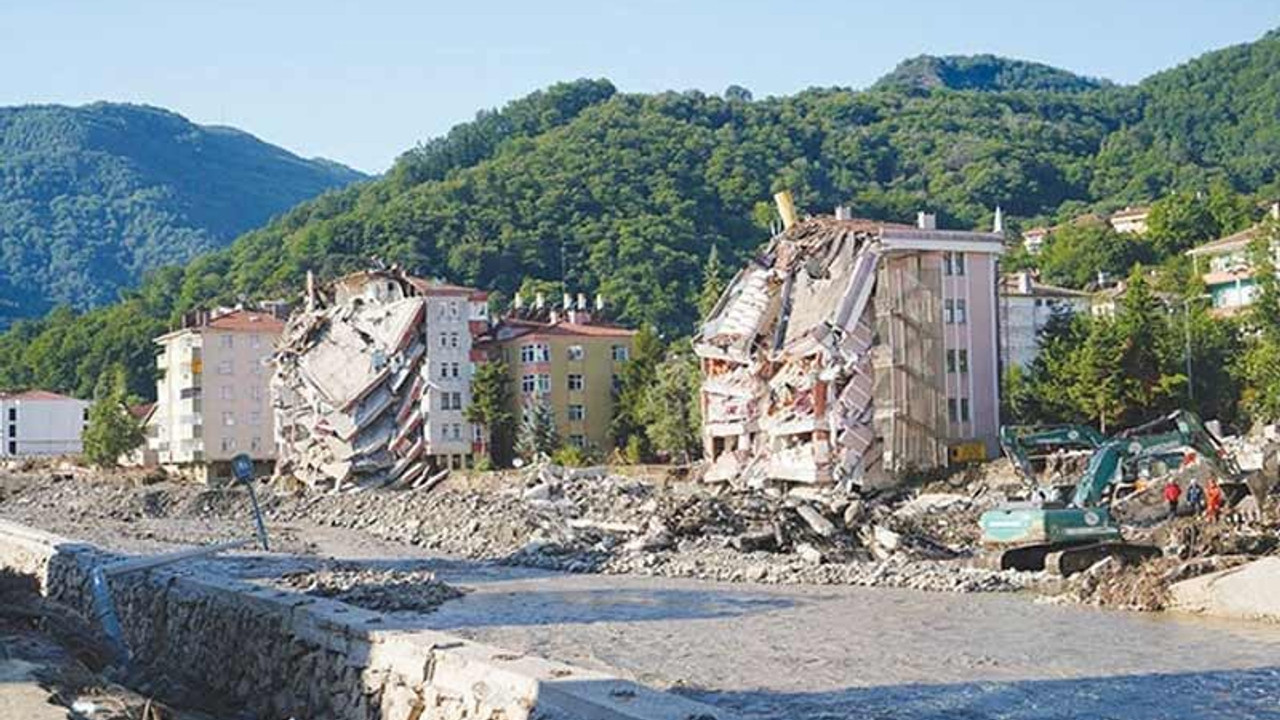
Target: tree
x: 712, y: 284
x: 539, y: 436
x: 1149, y: 379
x: 112, y: 430
x: 671, y: 410
x: 636, y: 378
x: 1179, y: 221
x: 490, y: 408
x: 1076, y: 253
x: 1259, y: 366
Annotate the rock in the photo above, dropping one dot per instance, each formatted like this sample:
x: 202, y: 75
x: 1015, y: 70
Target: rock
x: 886, y: 538
x: 541, y: 491
x: 853, y: 514
x: 755, y: 540
x: 816, y: 520
x: 809, y: 554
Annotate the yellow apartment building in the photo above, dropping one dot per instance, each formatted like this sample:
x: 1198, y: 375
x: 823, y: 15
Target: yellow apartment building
x: 573, y: 366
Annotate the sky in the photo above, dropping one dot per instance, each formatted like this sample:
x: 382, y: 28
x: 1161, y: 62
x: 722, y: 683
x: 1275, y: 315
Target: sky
x: 361, y: 82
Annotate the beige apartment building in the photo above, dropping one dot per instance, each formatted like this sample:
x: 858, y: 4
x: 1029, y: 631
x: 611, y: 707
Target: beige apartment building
x: 212, y: 400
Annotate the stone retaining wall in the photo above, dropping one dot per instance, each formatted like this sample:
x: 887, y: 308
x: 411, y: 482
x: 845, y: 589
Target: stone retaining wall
x: 281, y: 654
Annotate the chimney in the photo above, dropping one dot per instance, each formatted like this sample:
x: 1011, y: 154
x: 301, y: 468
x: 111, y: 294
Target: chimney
x: 786, y: 208
x: 997, y: 225
x: 1024, y: 282
x: 539, y: 301
x: 568, y: 301
x: 582, y: 301
x: 844, y: 212
x: 926, y: 221
x: 599, y: 302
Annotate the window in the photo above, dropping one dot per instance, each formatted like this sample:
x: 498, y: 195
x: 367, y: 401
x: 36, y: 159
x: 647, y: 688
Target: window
x: 620, y: 353
x: 578, y: 441
x: 961, y: 318
x: 457, y: 431
x: 527, y: 383
x: 575, y: 382
x: 444, y: 369
x: 227, y: 392
x: 255, y: 340
x: 13, y: 414
x: 533, y: 353
x: 453, y: 339
x: 576, y: 352
x: 13, y: 431
x: 951, y: 361
x: 85, y: 415
x: 964, y: 361
x: 577, y: 413
x: 615, y: 382
x: 259, y: 366
x: 952, y: 414
x: 227, y: 341
x: 453, y: 309
x: 226, y: 368
x: 228, y: 444
x: 964, y: 409
x: 255, y: 443
x: 947, y: 267
x: 228, y: 419
x: 255, y: 392
x: 455, y: 369
x: 477, y: 433
x: 13, y: 448
x: 958, y: 262
x: 444, y: 340
x: 544, y: 383
x: 255, y: 417
x: 949, y: 311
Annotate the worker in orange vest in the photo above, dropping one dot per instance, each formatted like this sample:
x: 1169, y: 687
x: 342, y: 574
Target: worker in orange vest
x: 1213, y: 501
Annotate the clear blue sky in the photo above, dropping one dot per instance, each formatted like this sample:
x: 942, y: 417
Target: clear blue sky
x: 361, y: 82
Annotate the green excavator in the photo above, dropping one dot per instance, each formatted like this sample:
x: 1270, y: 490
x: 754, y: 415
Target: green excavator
x: 1066, y: 536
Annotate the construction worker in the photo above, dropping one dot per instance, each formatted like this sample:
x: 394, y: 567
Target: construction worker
x: 1171, y: 494
x: 1213, y: 501
x: 1195, y: 497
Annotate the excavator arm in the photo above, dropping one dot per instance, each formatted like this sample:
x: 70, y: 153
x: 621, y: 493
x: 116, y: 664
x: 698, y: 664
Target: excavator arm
x: 1020, y: 441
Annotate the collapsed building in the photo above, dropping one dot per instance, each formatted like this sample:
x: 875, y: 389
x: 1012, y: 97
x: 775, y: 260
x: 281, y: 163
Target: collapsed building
x: 852, y: 351
x: 371, y: 381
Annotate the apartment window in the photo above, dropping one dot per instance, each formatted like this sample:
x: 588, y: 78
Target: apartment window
x: 961, y: 312
x: 256, y: 443
x: 576, y: 352
x: 227, y: 341
x: 964, y: 360
x: 228, y: 444
x: 453, y: 339
x: 949, y: 311
x: 951, y: 361
x: 444, y: 340
x: 615, y: 382
x: 453, y: 309
x: 578, y: 441
x: 577, y: 413
x: 456, y: 369
x: 226, y: 367
x: 255, y: 340
x: 528, y: 383
x: 13, y: 431
x: 544, y: 383
x: 85, y: 415
x: 953, y: 414
x: 457, y: 431
x: 947, y: 267
x: 477, y: 433
x: 621, y: 353
x: 255, y: 392
x: 255, y: 417
x: 958, y: 262
x: 13, y: 414
x: 533, y: 353
x: 575, y: 381
x: 228, y: 419
x: 455, y: 401
x: 227, y: 392
x: 964, y: 409
x: 444, y: 370
x: 13, y: 448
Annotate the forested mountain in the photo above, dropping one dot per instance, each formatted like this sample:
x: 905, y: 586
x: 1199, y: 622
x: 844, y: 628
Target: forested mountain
x: 983, y: 72
x: 629, y: 192
x: 90, y: 197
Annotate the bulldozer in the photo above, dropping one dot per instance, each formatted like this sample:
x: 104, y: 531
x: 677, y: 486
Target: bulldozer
x: 1066, y: 535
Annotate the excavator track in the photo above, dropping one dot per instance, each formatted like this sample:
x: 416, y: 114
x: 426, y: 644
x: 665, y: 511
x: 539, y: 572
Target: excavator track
x: 1069, y: 561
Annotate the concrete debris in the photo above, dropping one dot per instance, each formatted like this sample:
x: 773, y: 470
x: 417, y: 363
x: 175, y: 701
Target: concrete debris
x: 389, y: 590
x: 823, y: 360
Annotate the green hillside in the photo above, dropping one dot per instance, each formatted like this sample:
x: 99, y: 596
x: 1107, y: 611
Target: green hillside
x: 93, y: 196
x: 630, y: 192
x: 983, y: 72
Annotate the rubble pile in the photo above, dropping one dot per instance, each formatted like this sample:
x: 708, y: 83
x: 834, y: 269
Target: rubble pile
x: 348, y: 387
x: 381, y: 590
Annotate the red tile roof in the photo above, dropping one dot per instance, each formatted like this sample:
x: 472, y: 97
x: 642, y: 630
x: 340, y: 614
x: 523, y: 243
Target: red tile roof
x: 247, y: 321
x: 34, y: 395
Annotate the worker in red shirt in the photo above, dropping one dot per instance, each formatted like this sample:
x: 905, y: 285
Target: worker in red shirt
x: 1213, y: 501
x: 1171, y: 494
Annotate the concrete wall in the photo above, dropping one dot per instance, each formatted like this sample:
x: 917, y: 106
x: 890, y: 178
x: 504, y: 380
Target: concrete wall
x: 37, y: 426
x: 280, y: 654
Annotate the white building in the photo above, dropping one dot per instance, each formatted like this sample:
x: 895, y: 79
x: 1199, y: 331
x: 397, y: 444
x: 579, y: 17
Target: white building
x: 37, y: 422
x: 1026, y: 306
x: 1034, y: 239
x: 1131, y: 220
x: 212, y: 400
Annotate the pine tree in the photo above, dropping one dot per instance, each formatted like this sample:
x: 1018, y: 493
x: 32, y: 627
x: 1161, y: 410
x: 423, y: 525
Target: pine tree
x: 636, y: 377
x: 712, y: 283
x: 491, y: 408
x: 539, y: 436
x: 671, y: 410
x: 112, y: 431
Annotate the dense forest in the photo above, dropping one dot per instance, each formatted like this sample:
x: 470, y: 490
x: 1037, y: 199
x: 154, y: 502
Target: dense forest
x: 630, y: 193
x: 983, y: 72
x: 93, y: 196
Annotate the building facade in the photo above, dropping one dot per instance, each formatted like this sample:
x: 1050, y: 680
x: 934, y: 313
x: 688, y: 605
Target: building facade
x: 38, y: 422
x: 212, y: 398
x: 572, y: 365
x: 1227, y: 268
x: 1130, y: 220
x: 1026, y: 307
